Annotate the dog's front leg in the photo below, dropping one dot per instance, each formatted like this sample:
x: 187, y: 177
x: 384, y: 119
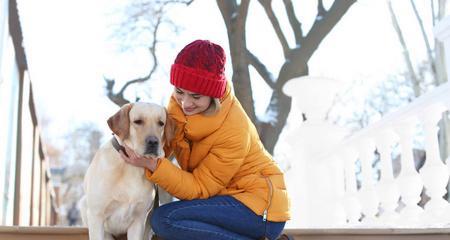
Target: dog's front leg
x: 96, y: 227
x: 136, y: 229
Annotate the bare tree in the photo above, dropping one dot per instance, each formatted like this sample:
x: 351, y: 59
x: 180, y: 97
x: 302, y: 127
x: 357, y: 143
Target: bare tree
x: 296, y: 57
x: 142, y: 21
x: 433, y: 65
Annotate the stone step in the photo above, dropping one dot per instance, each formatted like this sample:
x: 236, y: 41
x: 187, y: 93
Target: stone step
x: 43, y: 233
x: 81, y: 233
x: 371, y: 234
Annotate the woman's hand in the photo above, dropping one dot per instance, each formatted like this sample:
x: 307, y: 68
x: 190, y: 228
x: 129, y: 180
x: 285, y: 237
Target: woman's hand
x: 138, y: 160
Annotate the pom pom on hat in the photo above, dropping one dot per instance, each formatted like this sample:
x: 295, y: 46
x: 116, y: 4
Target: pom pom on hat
x: 200, y: 67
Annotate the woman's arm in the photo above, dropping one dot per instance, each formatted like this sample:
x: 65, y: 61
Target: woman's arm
x: 211, y: 176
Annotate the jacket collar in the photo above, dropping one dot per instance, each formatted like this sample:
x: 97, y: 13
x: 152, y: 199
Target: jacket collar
x: 199, y: 126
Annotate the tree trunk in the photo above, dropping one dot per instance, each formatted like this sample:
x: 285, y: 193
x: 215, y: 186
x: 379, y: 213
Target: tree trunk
x: 269, y: 133
x: 235, y: 16
x: 296, y: 63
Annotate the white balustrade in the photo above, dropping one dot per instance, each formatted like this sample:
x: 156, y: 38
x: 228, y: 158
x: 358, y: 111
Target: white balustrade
x: 390, y: 202
x: 367, y: 193
x: 318, y: 202
x: 434, y: 173
x: 351, y: 202
x: 409, y: 181
x: 387, y: 188
x: 325, y: 160
x: 337, y: 193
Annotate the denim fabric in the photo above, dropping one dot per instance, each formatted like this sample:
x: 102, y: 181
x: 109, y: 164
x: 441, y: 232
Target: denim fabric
x: 220, y: 217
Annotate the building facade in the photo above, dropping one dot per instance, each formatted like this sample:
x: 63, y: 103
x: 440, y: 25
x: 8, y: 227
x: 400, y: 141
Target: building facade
x: 27, y: 194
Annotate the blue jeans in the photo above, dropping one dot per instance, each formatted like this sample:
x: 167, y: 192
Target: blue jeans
x: 219, y: 217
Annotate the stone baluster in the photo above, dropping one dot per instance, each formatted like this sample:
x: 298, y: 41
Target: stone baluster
x: 387, y: 187
x: 442, y: 33
x: 447, y: 161
x: 315, y: 137
x: 336, y: 168
x: 351, y: 202
x: 367, y: 194
x: 409, y: 181
x: 434, y: 173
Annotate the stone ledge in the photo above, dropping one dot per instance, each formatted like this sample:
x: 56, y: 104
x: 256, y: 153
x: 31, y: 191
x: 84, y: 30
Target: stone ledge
x: 81, y: 233
x: 370, y: 233
x: 43, y: 233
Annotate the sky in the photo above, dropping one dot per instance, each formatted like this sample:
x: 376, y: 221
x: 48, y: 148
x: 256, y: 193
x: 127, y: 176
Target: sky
x: 69, y: 51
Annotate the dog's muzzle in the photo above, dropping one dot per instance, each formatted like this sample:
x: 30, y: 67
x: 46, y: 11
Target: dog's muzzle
x: 151, y: 145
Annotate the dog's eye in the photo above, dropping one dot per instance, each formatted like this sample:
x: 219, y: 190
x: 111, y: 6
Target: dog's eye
x: 161, y: 123
x: 138, y: 122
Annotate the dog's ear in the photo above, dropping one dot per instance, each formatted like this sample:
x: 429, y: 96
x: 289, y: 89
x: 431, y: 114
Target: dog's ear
x: 119, y: 123
x: 169, y: 129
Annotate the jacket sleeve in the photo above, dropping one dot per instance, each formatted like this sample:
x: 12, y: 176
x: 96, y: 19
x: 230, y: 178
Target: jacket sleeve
x: 211, y: 176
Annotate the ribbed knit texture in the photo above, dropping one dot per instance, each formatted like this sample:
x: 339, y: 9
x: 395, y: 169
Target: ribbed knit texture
x: 200, y: 68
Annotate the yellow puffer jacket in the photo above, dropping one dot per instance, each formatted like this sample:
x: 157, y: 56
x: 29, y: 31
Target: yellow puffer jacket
x: 222, y: 155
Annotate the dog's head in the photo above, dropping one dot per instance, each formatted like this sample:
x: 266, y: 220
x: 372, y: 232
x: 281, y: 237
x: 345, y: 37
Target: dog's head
x: 145, y: 127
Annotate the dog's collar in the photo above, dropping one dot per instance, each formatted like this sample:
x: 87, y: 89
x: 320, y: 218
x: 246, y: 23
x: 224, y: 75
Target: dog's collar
x: 117, y: 146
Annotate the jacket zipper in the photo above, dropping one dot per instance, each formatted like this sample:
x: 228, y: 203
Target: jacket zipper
x: 269, y: 183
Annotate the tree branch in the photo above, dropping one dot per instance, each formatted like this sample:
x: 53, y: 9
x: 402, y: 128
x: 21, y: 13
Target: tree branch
x: 407, y: 57
x: 227, y: 8
x: 267, y: 5
x: 234, y: 15
x: 187, y: 2
x: 431, y: 59
x: 433, y: 13
x: 261, y: 69
x: 118, y: 98
x: 299, y: 56
x: 320, y: 10
x: 322, y: 26
x: 442, y: 5
x: 152, y: 50
x: 242, y: 14
x: 293, y: 20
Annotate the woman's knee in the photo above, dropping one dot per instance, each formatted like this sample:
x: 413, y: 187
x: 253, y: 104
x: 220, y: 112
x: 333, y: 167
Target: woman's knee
x: 159, y: 220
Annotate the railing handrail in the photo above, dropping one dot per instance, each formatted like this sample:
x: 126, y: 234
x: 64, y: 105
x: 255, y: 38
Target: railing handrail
x: 430, y: 98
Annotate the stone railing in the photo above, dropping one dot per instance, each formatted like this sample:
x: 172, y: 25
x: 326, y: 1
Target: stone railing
x: 323, y: 179
x: 333, y: 180
x: 388, y: 201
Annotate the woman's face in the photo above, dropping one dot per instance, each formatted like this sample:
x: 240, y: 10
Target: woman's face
x: 191, y: 103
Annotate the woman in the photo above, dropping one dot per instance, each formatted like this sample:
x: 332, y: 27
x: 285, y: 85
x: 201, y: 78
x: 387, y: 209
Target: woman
x: 228, y: 185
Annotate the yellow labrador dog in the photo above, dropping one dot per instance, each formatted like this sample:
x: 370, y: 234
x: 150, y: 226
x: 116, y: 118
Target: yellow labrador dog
x: 117, y: 194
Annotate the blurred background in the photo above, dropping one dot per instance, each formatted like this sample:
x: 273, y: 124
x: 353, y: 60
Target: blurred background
x: 66, y: 66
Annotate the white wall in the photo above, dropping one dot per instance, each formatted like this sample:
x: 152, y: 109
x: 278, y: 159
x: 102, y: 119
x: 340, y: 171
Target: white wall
x: 3, y: 26
x: 9, y: 90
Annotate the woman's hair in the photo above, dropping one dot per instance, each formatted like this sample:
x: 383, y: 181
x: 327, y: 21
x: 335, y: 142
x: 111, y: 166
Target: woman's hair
x: 213, y: 108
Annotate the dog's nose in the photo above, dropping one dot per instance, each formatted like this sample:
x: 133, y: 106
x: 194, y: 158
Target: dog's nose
x: 151, y: 141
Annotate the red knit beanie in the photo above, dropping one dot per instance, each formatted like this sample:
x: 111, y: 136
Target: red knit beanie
x: 200, y: 67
